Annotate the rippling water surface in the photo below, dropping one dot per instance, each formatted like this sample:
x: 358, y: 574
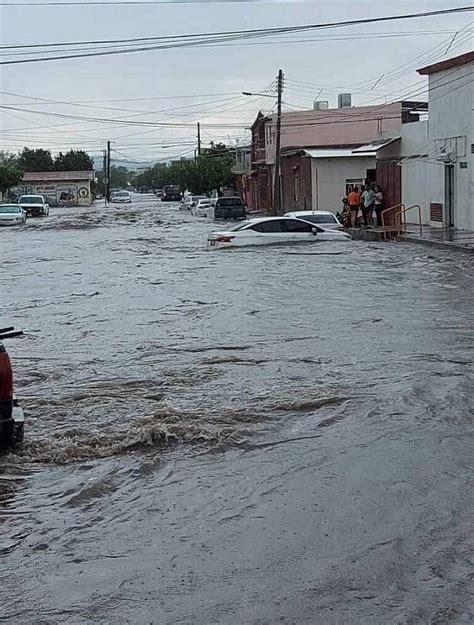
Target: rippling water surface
x: 248, y: 436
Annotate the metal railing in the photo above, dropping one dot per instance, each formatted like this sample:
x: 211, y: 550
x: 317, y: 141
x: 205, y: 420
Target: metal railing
x: 391, y: 227
x: 401, y: 214
x: 404, y: 212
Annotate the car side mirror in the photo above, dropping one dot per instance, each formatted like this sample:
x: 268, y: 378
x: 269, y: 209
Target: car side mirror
x: 314, y: 231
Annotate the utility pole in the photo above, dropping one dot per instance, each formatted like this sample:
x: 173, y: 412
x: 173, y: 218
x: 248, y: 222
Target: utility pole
x: 104, y: 169
x: 199, y: 138
x: 108, y: 173
x: 276, y: 179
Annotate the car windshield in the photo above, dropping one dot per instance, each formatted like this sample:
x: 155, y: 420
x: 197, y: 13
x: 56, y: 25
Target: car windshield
x: 9, y: 209
x: 318, y: 219
x: 31, y: 199
x: 229, y: 201
x: 122, y: 194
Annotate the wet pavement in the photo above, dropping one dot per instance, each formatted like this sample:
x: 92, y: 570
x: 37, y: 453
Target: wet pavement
x: 278, y: 435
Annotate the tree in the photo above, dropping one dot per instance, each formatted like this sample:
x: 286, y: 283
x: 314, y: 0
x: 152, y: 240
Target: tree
x: 74, y: 160
x: 200, y: 176
x: 7, y: 158
x: 35, y: 160
x: 10, y: 176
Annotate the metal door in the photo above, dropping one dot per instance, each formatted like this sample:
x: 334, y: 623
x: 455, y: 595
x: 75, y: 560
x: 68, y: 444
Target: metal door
x: 449, y: 199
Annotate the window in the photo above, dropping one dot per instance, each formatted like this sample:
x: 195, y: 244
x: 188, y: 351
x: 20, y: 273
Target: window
x: 295, y: 225
x: 5, y: 210
x: 272, y: 225
x: 228, y: 202
x: 354, y: 182
x: 318, y: 219
x: 31, y: 199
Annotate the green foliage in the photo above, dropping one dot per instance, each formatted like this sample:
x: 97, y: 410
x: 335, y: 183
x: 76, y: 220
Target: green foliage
x: 35, y: 160
x: 200, y: 176
x: 74, y: 160
x: 10, y: 176
x: 119, y: 177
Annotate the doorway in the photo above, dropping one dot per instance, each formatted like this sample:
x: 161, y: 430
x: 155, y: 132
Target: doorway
x: 449, y: 199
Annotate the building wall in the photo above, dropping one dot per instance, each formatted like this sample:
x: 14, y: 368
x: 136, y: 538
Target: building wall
x: 329, y: 176
x: 333, y: 127
x: 451, y: 100
x: 296, y: 183
x: 64, y: 193
x: 423, y: 145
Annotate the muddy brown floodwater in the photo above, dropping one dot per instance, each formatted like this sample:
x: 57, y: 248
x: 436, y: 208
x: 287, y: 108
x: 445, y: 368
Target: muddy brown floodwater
x: 278, y: 435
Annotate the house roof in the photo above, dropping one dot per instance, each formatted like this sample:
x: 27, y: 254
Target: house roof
x: 335, y: 153
x: 375, y: 145
x: 57, y: 176
x: 455, y: 61
x: 346, y: 127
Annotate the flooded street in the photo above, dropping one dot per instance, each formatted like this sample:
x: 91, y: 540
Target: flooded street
x: 279, y: 435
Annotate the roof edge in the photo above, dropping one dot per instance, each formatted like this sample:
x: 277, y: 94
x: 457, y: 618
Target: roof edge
x: 455, y: 61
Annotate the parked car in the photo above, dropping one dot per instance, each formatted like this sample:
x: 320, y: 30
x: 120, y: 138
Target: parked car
x: 325, y: 219
x: 11, y: 215
x: 34, y: 205
x: 271, y: 230
x: 201, y: 207
x: 190, y: 201
x: 227, y: 208
x: 171, y: 193
x: 121, y: 197
x: 11, y: 414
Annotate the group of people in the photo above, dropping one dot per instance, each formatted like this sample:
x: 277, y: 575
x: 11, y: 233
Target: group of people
x: 368, y: 201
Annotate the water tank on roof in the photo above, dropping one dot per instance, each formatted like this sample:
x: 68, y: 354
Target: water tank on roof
x: 320, y: 105
x: 344, y: 100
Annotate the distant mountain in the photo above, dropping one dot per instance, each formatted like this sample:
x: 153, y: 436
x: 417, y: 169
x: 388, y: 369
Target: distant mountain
x: 122, y: 162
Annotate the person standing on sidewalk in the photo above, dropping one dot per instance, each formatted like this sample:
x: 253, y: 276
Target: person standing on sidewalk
x: 367, y: 205
x: 378, y: 206
x: 354, y: 203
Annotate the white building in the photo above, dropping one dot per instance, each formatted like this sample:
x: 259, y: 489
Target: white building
x: 437, y: 156
x: 59, y: 188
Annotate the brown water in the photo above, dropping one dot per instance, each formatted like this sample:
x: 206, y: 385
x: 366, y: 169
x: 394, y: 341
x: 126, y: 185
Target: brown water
x: 248, y: 436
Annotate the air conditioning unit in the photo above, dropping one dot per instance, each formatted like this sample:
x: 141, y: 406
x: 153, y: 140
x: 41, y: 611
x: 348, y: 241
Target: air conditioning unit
x: 320, y: 105
x: 344, y: 100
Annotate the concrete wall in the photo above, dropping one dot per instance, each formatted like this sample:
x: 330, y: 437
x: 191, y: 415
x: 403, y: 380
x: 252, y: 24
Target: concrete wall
x: 451, y: 99
x: 333, y: 127
x: 329, y: 177
x: 64, y: 193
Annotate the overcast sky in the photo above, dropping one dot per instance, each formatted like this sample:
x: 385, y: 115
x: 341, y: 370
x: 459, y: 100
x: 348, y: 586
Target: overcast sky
x: 315, y: 64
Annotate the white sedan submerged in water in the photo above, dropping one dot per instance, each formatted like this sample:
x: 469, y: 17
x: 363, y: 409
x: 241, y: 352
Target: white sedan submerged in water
x: 11, y: 215
x: 272, y: 230
x: 201, y: 208
x: 324, y: 219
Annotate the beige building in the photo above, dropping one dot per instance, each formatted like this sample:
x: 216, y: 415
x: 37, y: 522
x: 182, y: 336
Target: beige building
x: 60, y: 188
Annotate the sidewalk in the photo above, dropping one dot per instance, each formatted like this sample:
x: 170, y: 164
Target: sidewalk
x: 460, y: 240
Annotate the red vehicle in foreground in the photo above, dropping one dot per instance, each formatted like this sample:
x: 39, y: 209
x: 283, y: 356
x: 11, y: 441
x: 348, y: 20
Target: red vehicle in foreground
x: 11, y: 415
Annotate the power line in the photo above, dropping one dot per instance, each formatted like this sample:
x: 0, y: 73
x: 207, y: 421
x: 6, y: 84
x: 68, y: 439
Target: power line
x: 221, y: 37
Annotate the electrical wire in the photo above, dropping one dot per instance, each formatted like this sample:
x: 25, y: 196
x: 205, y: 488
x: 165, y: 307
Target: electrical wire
x: 193, y: 40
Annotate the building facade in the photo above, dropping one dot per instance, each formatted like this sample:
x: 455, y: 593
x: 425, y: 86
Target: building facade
x: 60, y: 188
x: 318, y: 162
x: 435, y: 158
